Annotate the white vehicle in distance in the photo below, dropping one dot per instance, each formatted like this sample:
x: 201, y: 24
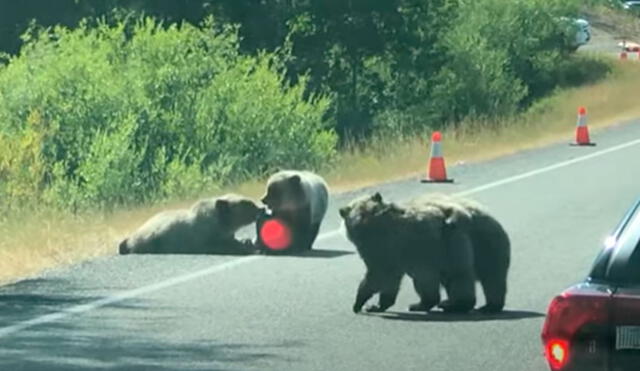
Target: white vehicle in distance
x: 579, y: 32
x: 583, y: 34
x: 631, y: 6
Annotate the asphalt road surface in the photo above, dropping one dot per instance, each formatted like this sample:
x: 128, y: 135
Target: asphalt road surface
x: 602, y: 41
x: 294, y: 313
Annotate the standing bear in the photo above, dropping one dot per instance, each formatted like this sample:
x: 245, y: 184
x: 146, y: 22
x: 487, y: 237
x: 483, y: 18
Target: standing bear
x: 429, y: 240
x: 300, y: 200
x: 394, y: 241
x: 208, y: 227
x: 490, y: 244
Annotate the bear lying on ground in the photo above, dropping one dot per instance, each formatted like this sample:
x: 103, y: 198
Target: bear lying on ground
x: 434, y: 241
x: 208, y: 227
x: 394, y: 241
x: 300, y: 199
x: 491, y: 251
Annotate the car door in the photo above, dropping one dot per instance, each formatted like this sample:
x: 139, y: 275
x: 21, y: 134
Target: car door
x: 625, y: 309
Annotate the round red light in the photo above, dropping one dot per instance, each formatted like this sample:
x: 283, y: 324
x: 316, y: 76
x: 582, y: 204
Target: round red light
x: 557, y: 353
x: 275, y: 234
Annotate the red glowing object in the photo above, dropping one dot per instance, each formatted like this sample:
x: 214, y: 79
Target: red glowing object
x: 275, y: 234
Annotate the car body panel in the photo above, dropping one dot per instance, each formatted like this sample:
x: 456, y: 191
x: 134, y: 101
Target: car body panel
x: 608, y: 337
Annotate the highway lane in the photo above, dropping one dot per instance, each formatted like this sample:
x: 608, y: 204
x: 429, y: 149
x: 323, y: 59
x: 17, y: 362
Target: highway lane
x: 294, y: 313
x: 602, y: 41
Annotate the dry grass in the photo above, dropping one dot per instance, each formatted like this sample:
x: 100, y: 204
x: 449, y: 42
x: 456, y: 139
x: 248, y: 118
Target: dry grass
x: 33, y: 243
x: 608, y: 102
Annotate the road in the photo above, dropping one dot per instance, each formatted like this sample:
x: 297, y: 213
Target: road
x: 603, y: 41
x: 294, y: 313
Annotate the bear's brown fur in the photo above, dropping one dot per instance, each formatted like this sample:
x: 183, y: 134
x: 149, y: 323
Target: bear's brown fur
x: 393, y: 241
x: 208, y: 227
x: 300, y: 199
x: 491, y: 250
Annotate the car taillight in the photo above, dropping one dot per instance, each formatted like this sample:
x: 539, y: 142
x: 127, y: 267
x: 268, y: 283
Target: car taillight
x: 557, y: 351
x: 572, y: 325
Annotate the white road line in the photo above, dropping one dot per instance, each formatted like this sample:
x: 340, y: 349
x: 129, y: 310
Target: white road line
x: 124, y: 295
x: 5, y: 331
x: 558, y: 165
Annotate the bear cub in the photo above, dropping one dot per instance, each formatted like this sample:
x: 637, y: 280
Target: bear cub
x: 482, y: 237
x: 300, y: 199
x: 208, y: 227
x: 394, y: 241
x: 433, y: 239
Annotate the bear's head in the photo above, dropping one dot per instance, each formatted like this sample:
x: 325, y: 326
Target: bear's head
x: 361, y: 216
x: 237, y: 211
x: 284, y: 192
x: 231, y: 210
x: 368, y: 222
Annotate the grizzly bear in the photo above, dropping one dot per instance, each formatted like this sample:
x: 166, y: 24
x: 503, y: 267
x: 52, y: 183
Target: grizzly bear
x: 208, y: 227
x: 394, y: 241
x: 300, y: 200
x: 490, y: 244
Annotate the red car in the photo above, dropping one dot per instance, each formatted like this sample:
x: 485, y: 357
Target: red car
x: 595, y: 325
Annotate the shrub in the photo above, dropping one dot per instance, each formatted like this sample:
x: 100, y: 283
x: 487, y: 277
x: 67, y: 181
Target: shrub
x: 135, y: 112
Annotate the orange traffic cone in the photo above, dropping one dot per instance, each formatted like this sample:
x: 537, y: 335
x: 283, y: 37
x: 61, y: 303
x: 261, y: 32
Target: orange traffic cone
x: 437, y: 172
x: 582, y: 131
x: 623, y: 52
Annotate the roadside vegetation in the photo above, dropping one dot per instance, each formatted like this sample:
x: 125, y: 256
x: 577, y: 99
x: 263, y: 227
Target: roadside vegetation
x: 109, y: 119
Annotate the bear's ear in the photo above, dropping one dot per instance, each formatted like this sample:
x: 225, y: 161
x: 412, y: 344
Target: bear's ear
x: 377, y: 197
x: 344, y: 211
x: 296, y: 179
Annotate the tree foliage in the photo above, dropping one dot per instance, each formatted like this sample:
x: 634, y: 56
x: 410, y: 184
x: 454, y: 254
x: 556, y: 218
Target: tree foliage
x: 118, y: 101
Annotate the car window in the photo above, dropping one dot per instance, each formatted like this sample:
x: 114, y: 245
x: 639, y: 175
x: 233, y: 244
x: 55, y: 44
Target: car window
x: 632, y: 269
x: 599, y: 270
x: 601, y: 263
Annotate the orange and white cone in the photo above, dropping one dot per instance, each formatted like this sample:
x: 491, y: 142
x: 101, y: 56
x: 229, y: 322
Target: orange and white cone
x: 623, y: 52
x: 582, y: 131
x: 437, y: 172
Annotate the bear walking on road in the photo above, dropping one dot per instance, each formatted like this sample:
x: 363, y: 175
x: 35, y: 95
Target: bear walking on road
x: 490, y: 243
x: 300, y: 199
x: 394, y: 241
x: 434, y: 241
x: 208, y: 227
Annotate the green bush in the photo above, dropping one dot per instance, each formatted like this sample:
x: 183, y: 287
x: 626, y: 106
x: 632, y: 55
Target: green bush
x: 130, y: 113
x: 127, y: 112
x: 503, y: 54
